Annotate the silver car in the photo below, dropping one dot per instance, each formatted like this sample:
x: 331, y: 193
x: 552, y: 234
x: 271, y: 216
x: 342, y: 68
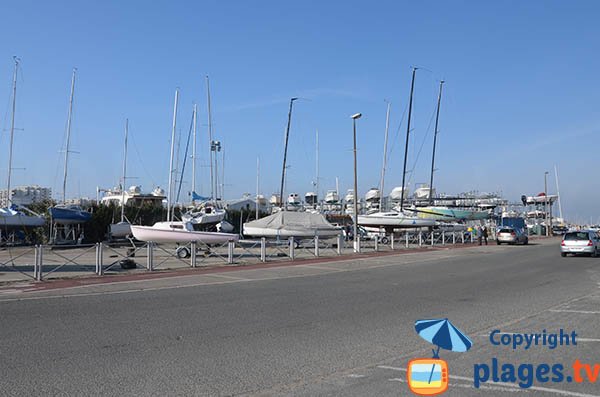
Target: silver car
x: 509, y: 235
x: 580, y: 242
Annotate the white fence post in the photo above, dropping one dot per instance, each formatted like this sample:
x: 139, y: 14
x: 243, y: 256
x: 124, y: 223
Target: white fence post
x: 420, y: 238
x: 317, y: 246
x: 432, y: 238
x: 150, y: 256
x: 406, y: 237
x: 193, y: 254
x: 453, y: 238
x: 471, y: 237
x: 340, y: 244
x: 443, y: 237
x: 291, y: 244
x: 230, y: 246
x: 99, y: 258
x: 37, y: 266
x: 263, y: 249
x: 376, y: 243
x: 392, y: 242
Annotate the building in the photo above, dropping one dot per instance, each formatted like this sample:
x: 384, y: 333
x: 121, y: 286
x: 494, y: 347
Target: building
x: 26, y: 195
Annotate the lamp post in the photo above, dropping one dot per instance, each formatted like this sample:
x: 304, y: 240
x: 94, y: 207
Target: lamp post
x: 356, y: 239
x: 546, y: 202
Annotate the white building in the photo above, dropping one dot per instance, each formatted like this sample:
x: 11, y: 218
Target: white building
x: 26, y: 195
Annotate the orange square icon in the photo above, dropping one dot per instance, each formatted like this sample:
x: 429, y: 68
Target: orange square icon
x: 427, y: 376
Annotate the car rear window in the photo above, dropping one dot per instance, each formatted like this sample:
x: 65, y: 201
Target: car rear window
x: 577, y: 236
x: 506, y: 231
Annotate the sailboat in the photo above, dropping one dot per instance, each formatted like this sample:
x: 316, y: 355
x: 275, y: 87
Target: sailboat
x: 68, y: 214
x: 398, y: 219
x: 207, y: 213
x: 443, y: 213
x: 123, y: 227
x: 173, y: 231
x: 13, y: 217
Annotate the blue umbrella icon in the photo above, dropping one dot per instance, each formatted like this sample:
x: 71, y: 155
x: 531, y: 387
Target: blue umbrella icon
x: 443, y: 334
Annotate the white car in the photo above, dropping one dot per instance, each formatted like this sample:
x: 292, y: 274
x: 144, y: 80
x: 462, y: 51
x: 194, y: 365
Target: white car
x: 580, y: 242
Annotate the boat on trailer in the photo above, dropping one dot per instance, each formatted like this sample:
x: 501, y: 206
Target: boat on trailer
x: 179, y: 232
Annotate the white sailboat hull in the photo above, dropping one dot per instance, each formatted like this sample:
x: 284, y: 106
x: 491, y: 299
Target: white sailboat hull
x: 393, y: 220
x: 10, y: 219
x: 159, y: 235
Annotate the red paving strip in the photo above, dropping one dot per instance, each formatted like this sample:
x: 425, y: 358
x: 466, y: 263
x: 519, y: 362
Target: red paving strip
x: 53, y: 284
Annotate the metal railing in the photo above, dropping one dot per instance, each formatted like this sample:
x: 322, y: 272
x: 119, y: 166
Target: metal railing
x: 42, y: 262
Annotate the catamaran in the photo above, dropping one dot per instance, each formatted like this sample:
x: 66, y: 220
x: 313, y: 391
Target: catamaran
x: 398, y: 219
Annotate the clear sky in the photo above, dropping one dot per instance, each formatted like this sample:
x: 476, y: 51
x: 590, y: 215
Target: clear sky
x: 521, y: 93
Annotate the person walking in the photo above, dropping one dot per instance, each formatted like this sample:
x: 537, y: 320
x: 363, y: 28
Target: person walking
x: 484, y: 234
x: 479, y: 234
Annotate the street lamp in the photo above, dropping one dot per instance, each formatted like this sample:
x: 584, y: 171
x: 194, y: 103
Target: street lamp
x: 546, y: 203
x: 356, y: 239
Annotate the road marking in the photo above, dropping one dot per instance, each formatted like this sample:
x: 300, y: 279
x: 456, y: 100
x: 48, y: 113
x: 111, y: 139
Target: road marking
x: 505, y: 385
x: 464, y: 386
x: 355, y: 376
x: 574, y: 311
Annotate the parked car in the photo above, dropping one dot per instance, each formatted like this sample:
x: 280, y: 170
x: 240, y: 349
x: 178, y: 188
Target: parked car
x: 580, y: 242
x: 559, y: 230
x: 509, y: 235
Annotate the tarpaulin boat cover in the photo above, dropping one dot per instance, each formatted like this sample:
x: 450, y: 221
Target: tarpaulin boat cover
x: 293, y: 221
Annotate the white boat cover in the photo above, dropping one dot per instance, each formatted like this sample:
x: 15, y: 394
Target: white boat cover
x: 291, y: 224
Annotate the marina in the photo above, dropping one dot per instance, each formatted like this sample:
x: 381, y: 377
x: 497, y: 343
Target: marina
x: 271, y: 198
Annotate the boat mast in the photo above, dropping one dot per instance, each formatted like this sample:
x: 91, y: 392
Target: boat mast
x: 169, y: 218
x: 287, y: 135
x: 412, y: 86
x: 437, y: 117
x: 317, y: 165
x: 385, y: 142
x: 257, y: 183
x: 195, y: 122
x: 124, y: 172
x: 210, y: 141
x: 69, y: 119
x: 558, y: 193
x: 12, y: 131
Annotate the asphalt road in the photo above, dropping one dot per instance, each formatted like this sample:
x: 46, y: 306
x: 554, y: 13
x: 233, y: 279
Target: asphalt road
x: 344, y: 328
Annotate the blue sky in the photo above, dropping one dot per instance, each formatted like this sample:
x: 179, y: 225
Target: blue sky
x: 521, y: 92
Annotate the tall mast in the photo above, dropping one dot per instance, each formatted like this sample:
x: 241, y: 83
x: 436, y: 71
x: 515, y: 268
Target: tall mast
x: 317, y: 165
x: 558, y: 193
x: 169, y: 218
x: 385, y: 142
x: 257, y: 183
x: 412, y: 86
x: 69, y: 119
x: 124, y: 172
x: 287, y: 135
x: 195, y: 122
x: 437, y: 117
x: 12, y: 131
x: 210, y: 142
